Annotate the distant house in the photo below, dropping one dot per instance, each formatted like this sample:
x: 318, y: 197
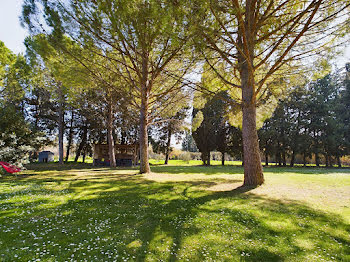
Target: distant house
x: 46, y: 156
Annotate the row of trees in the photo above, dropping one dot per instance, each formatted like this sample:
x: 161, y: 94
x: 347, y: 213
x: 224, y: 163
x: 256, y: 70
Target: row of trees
x: 18, y: 137
x: 311, y: 121
x: 140, y: 55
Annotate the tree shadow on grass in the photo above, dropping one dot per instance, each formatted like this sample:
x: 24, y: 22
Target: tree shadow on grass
x: 141, y: 220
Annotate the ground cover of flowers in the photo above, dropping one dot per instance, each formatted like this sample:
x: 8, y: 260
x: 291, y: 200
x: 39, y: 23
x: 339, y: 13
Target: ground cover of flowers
x: 177, y: 213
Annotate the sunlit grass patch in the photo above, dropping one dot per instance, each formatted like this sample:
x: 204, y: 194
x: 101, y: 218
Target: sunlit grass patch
x: 185, y: 213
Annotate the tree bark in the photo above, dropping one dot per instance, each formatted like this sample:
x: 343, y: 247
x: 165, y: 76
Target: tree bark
x: 144, y: 82
x: 168, y: 147
x: 223, y: 158
x: 208, y: 159
x: 144, y: 164
x: 304, y: 159
x: 60, y: 123
x: 253, y: 174
x: 111, y: 151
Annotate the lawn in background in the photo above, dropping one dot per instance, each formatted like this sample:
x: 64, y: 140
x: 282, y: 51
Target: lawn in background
x: 180, y: 212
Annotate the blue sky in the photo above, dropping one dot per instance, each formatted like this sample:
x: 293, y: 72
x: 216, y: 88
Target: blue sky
x: 11, y: 32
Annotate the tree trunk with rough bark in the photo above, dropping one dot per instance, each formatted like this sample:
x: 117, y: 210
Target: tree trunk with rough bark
x: 60, y: 123
x: 223, y: 158
x: 253, y: 172
x: 111, y: 151
x: 253, y: 175
x: 144, y: 164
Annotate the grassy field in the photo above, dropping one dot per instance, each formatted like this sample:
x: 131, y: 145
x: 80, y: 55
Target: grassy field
x: 180, y: 212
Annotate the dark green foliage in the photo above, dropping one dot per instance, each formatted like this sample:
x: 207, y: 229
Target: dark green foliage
x: 344, y: 110
x: 17, y: 138
x: 234, y: 142
x: 162, y: 132
x: 310, y: 122
x: 206, y: 134
x: 19, y: 134
x: 214, y: 132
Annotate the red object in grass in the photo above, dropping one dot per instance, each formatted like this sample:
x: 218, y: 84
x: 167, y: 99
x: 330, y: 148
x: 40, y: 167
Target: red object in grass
x: 10, y: 168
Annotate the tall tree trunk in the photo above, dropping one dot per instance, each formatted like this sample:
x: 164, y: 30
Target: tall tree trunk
x: 253, y: 175
x: 82, y: 143
x: 145, y: 89
x: 168, y: 147
x: 111, y: 149
x: 144, y: 164
x: 208, y: 159
x: 327, y: 160
x: 60, y: 123
x: 266, y: 159
x: 304, y: 159
x: 223, y: 158
x: 253, y: 172
x: 70, y: 136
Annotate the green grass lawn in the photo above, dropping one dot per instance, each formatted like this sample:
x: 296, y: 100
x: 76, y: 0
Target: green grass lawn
x: 180, y: 212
